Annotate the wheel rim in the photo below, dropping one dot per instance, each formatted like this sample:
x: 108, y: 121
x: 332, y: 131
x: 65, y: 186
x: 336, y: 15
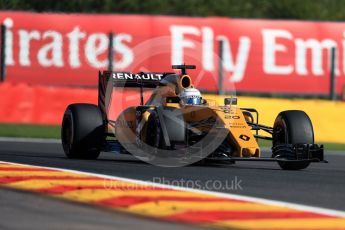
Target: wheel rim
x: 280, y: 134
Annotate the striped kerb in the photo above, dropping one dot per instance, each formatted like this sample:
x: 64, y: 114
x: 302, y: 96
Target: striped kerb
x: 168, y: 204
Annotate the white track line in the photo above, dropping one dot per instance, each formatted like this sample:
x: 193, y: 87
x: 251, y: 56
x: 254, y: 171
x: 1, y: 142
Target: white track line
x: 30, y: 140
x: 300, y: 207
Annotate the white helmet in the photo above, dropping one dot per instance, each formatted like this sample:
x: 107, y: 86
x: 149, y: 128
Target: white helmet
x: 190, y: 96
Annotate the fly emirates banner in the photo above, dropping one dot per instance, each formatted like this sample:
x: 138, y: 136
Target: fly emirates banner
x: 263, y: 56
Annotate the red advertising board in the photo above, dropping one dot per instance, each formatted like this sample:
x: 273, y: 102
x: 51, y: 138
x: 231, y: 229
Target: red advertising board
x: 258, y: 55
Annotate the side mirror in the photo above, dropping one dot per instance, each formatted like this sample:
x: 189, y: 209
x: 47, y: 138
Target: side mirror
x: 230, y: 101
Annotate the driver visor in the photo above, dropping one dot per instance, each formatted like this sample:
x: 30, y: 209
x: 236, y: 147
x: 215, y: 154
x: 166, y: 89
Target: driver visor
x: 192, y: 100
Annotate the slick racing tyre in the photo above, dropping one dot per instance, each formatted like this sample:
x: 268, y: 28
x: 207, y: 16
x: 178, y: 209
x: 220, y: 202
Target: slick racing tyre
x: 293, y: 127
x: 82, y: 132
x: 154, y: 134
x: 174, y: 124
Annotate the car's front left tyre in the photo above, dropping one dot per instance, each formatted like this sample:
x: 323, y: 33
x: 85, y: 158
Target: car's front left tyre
x: 292, y: 127
x: 82, y: 131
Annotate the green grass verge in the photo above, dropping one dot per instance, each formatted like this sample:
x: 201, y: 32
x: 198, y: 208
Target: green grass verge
x: 33, y: 131
x: 49, y: 131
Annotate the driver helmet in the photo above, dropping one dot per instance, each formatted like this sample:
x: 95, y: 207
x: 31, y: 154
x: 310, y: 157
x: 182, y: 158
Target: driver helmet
x: 190, y: 96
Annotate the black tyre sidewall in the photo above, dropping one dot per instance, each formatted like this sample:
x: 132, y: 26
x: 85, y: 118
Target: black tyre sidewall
x: 154, y: 131
x: 298, y: 125
x: 86, y: 127
x: 297, y: 129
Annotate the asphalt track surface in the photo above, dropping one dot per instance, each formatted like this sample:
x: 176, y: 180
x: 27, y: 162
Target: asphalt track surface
x: 320, y: 185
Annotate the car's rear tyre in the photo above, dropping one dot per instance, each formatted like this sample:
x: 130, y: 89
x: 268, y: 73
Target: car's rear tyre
x: 293, y: 127
x: 174, y: 126
x: 82, y: 132
x: 154, y: 132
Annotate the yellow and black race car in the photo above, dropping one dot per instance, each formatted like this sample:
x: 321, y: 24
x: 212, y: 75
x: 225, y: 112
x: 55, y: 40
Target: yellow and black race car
x: 176, y: 126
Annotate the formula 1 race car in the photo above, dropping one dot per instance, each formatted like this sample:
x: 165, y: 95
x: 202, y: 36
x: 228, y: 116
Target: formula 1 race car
x: 177, y: 126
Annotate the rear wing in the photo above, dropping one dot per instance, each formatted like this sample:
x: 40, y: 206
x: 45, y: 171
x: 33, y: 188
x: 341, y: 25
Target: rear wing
x: 107, y: 80
x: 136, y: 80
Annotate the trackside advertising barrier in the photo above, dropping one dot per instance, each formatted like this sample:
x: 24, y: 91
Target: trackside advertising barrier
x: 263, y: 56
x: 21, y: 103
